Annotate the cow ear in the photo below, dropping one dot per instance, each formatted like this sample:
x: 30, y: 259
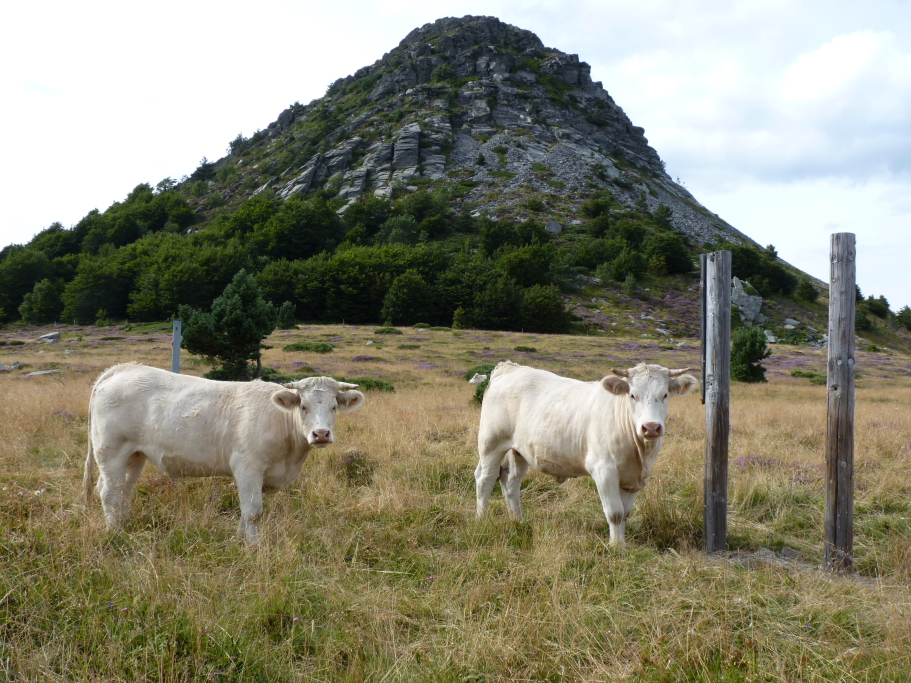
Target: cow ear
x: 682, y: 385
x: 615, y: 385
x: 288, y: 400
x: 349, y: 400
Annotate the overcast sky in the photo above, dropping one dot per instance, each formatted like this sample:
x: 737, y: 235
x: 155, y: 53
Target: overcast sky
x: 791, y: 120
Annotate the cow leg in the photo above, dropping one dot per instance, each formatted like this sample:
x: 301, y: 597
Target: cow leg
x: 135, y: 464
x: 607, y: 480
x: 511, y: 475
x: 628, y: 497
x: 112, y: 478
x: 250, y: 492
x: 486, y: 474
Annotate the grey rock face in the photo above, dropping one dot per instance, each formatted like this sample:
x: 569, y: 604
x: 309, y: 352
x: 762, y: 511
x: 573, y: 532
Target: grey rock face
x: 50, y: 338
x: 748, y: 304
x: 553, y: 227
x: 460, y: 87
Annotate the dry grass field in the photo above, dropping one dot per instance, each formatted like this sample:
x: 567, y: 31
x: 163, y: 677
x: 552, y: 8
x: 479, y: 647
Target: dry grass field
x: 372, y: 568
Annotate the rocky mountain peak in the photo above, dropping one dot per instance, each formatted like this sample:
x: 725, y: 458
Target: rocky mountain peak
x: 476, y: 102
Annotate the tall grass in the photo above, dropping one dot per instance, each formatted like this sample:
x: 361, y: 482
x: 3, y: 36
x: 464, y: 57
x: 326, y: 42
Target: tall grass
x: 372, y: 568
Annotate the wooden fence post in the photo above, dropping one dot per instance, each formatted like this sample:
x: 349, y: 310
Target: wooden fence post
x: 716, y: 380
x: 839, y: 551
x: 175, y: 346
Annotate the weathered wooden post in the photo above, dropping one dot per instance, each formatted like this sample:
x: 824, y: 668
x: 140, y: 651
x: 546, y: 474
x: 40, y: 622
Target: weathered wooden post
x: 175, y: 346
x: 839, y: 552
x: 716, y: 388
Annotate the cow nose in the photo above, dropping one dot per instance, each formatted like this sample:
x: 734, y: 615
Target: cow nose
x: 321, y: 436
x: 651, y: 430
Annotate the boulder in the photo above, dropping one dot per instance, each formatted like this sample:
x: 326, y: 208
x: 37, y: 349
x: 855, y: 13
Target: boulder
x: 770, y: 337
x: 793, y: 323
x: 553, y: 227
x: 749, y: 304
x: 50, y: 338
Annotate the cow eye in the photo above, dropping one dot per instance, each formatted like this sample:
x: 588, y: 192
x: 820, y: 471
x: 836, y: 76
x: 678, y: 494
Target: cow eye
x: 632, y: 396
x: 665, y: 397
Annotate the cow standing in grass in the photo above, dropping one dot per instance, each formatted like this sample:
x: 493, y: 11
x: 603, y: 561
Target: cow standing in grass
x: 259, y: 433
x: 609, y: 430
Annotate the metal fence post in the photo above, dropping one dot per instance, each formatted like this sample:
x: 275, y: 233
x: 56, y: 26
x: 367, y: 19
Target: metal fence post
x: 175, y: 346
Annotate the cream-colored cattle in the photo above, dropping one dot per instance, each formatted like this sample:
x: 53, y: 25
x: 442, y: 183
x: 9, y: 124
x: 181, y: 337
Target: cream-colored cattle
x: 609, y: 430
x: 259, y: 433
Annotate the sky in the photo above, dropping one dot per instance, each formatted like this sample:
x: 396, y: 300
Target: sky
x: 789, y: 119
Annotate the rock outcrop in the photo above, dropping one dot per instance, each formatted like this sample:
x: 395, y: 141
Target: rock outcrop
x: 476, y: 102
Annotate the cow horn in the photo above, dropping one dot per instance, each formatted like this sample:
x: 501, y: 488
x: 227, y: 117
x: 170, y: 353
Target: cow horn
x: 346, y: 385
x: 677, y: 373
x: 620, y: 373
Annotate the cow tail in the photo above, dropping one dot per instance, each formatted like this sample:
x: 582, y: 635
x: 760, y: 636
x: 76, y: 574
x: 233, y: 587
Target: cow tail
x: 88, y: 476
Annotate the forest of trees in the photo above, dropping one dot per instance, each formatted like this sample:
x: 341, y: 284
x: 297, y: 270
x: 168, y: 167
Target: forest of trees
x: 407, y: 260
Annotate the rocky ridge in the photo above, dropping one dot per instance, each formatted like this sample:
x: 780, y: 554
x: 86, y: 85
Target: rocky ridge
x: 479, y: 104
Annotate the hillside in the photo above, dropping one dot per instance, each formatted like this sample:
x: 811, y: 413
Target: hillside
x: 472, y: 176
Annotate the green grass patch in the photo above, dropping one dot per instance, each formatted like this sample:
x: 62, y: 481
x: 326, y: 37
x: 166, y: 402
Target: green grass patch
x: 408, y: 346
x: 525, y: 349
x: 387, y: 330
x: 311, y: 347
x: 814, y: 377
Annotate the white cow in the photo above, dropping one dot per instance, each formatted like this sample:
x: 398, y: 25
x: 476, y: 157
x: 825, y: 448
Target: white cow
x: 257, y: 432
x: 609, y: 430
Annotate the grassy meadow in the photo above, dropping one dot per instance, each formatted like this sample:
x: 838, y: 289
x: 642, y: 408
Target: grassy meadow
x: 371, y: 566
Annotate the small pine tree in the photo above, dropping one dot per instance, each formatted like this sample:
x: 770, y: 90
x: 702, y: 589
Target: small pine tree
x: 233, y: 331
x: 748, y: 348
x: 286, y: 319
x: 806, y: 291
x: 480, y: 160
x: 630, y: 285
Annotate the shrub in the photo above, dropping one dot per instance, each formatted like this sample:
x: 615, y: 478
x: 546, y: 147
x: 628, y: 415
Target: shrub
x: 877, y: 306
x: 311, y: 347
x: 628, y: 263
x: 806, y: 291
x: 102, y: 319
x: 16, y: 342
x: 861, y: 322
x: 43, y: 304
x: 525, y: 349
x: 215, y: 199
x: 630, y: 285
x: 814, y: 377
x: 543, y: 310
x: 480, y: 161
x: 662, y: 217
x: 408, y: 346
x: 286, y: 319
x: 598, y: 226
x: 903, y: 317
x: 408, y: 299
x: 387, y: 330
x: 421, y: 326
x: 748, y: 348
x: 670, y: 249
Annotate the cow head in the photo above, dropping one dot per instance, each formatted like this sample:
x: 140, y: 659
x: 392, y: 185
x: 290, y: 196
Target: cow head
x: 317, y: 400
x: 647, y: 388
